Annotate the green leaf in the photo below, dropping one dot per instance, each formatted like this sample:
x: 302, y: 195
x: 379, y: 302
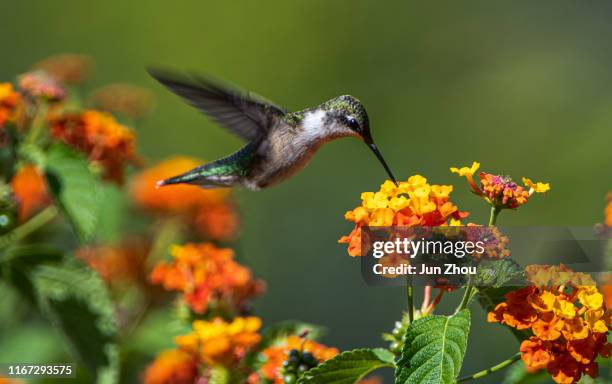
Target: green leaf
x: 75, y: 188
x: 434, y: 349
x: 30, y: 254
x: 348, y: 367
x: 497, y: 273
x: 17, y: 263
x: 276, y: 333
x: 76, y: 301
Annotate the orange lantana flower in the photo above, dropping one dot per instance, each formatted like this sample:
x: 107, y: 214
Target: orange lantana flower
x: 568, y: 318
x: 208, y: 277
x: 209, y: 211
x: 30, y: 190
x: 98, y: 135
x: 172, y: 366
x: 275, y: 356
x: 536, y: 353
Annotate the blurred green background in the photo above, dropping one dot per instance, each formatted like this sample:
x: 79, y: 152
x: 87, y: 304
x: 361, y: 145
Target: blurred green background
x: 523, y: 87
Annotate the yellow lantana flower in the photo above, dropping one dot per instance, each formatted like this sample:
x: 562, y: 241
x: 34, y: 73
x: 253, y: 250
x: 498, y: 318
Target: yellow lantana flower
x: 545, y: 301
x: 564, y: 309
x: 466, y: 171
x: 382, y: 217
x: 596, y: 321
x: 220, y: 342
x: 6, y: 89
x: 590, y: 297
x: 373, y: 200
x: 537, y: 187
x: 575, y: 329
x: 398, y: 203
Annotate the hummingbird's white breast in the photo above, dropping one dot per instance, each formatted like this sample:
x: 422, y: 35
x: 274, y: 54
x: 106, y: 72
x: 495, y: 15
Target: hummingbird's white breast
x: 313, y: 126
x: 318, y: 125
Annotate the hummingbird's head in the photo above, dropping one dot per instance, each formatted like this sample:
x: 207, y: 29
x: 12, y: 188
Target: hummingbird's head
x: 348, y: 117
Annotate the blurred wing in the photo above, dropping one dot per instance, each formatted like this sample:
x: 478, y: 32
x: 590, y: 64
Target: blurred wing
x: 246, y: 115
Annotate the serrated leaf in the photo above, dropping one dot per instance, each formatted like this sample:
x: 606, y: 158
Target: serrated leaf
x: 17, y: 263
x: 348, y: 367
x: 434, y: 349
x: 277, y: 332
x: 75, y: 189
x: 497, y: 273
x: 76, y: 301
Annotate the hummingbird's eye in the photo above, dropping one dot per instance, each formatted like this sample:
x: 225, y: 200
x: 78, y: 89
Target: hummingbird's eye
x: 352, y: 123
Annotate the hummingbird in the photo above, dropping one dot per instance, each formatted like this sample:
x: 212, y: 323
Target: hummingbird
x: 278, y: 143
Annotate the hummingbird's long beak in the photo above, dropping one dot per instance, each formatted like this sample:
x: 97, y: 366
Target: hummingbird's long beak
x: 380, y: 157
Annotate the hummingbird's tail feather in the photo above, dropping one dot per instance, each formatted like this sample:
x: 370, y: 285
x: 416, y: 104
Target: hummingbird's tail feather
x: 226, y: 172
x: 202, y: 177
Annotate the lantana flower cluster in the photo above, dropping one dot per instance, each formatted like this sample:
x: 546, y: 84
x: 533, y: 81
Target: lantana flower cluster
x: 566, y: 315
x: 35, y: 113
x: 208, y: 278
x: 414, y: 202
x: 39, y: 84
x: 220, y: 342
x: 277, y: 359
x: 211, y: 343
x: 97, y: 134
x: 209, y: 212
x: 500, y: 191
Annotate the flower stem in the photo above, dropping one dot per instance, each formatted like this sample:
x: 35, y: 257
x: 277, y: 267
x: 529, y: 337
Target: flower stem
x: 467, y: 295
x: 30, y: 226
x: 435, y: 303
x: 493, y: 215
x: 426, y: 298
x: 410, y: 297
x: 38, y: 123
x: 495, y: 368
